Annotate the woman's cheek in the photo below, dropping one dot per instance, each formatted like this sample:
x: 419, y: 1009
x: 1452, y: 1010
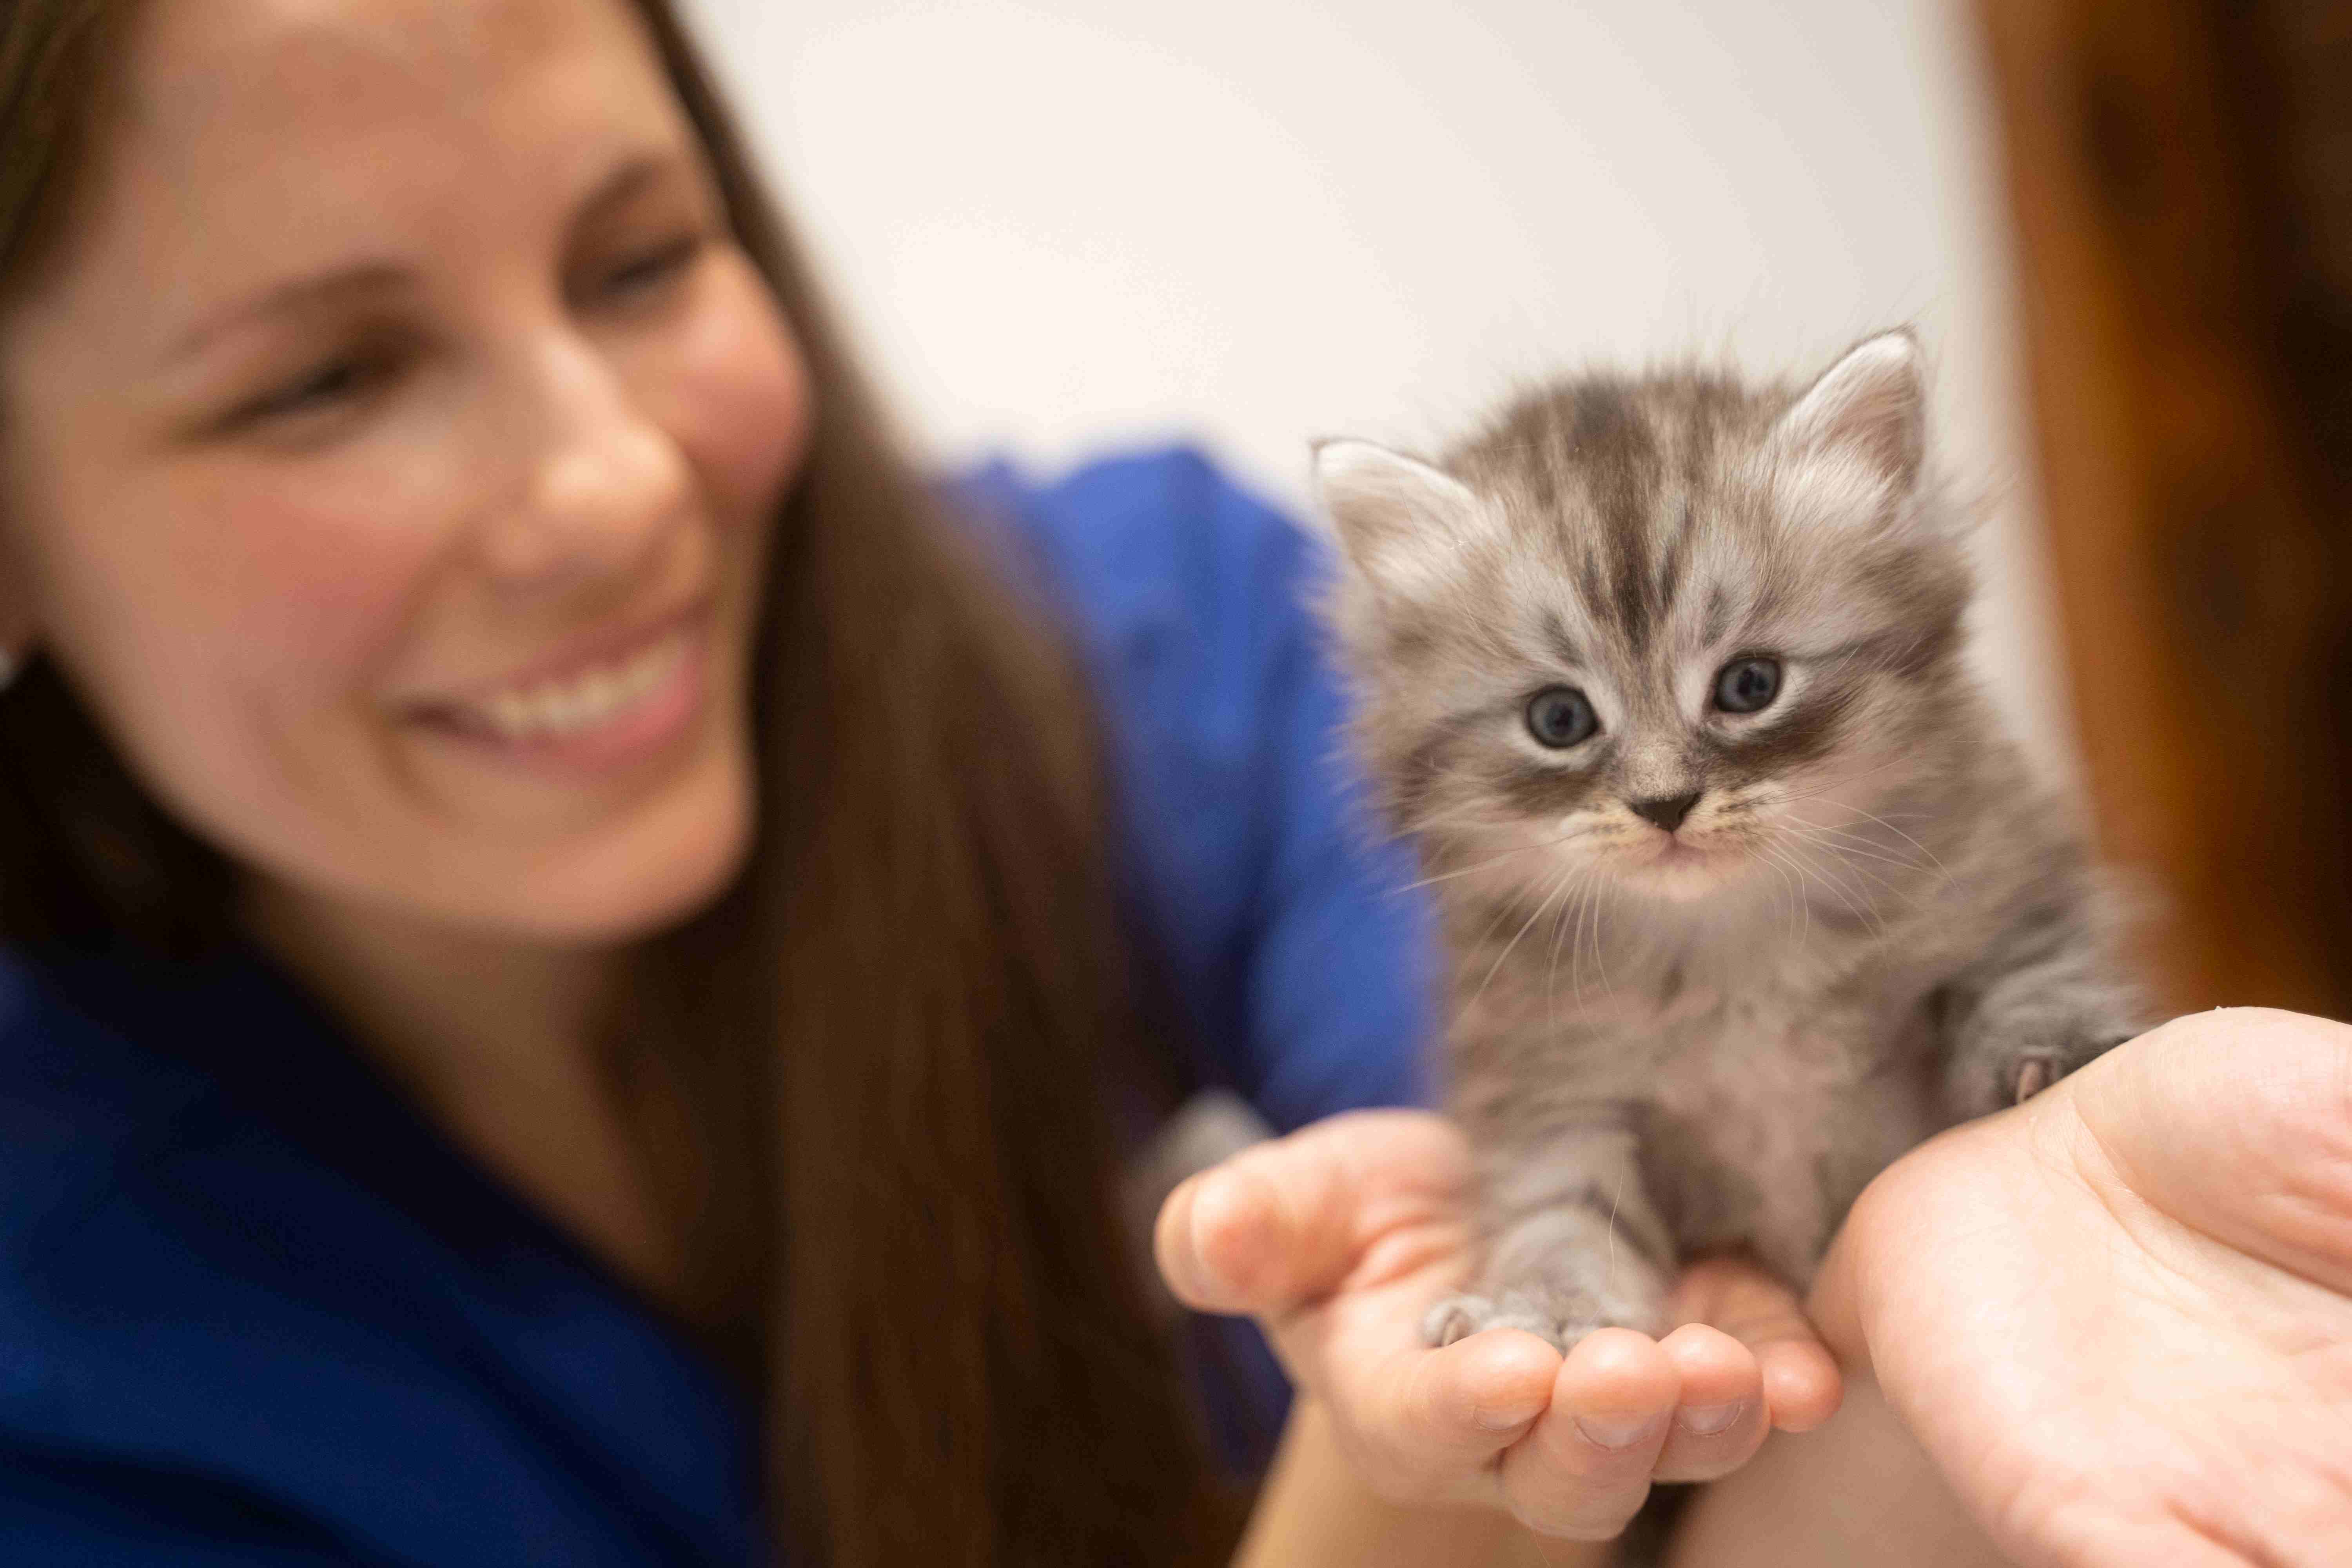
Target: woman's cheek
x: 233, y: 708
x: 325, y: 575
x: 743, y: 410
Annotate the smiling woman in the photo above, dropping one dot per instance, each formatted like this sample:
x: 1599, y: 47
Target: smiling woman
x: 488, y: 403
x: 463, y: 585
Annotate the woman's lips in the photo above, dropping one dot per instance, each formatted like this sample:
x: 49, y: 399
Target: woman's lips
x: 609, y: 715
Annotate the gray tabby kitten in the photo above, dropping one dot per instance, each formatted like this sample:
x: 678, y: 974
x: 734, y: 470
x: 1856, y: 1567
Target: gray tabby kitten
x: 1745, y: 889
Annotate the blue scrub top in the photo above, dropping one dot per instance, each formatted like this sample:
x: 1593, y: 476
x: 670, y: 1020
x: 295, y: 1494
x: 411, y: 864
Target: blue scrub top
x: 253, y: 1309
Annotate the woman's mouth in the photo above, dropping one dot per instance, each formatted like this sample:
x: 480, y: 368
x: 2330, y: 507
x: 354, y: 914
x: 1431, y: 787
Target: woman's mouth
x: 568, y: 707
x: 613, y: 713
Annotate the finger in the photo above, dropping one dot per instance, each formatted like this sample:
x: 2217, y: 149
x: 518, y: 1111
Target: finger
x: 1426, y: 1425
x: 1476, y: 1396
x: 1285, y: 1221
x: 1584, y: 1466
x: 1719, y: 1417
x: 1801, y: 1386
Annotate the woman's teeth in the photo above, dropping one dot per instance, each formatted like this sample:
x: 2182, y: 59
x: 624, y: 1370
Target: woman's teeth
x: 560, y: 708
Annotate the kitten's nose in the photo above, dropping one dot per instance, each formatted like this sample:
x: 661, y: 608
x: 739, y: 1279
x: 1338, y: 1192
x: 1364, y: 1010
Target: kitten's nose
x: 1668, y: 810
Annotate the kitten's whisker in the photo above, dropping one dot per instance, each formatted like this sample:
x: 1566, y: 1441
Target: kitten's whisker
x: 1820, y: 836
x: 1863, y: 911
x: 1506, y: 908
x: 1877, y: 880
x: 1600, y: 959
x: 1559, y: 927
x: 1497, y: 860
x: 1474, y: 816
x: 1850, y: 779
x: 1588, y: 903
x: 1807, y: 872
x: 1559, y: 888
x: 1613, y: 1202
x: 1795, y: 902
x: 1899, y: 760
x: 1576, y: 936
x: 1870, y: 903
x: 1910, y: 889
x: 1890, y: 828
x: 1854, y: 869
x: 1780, y: 862
x: 1861, y: 839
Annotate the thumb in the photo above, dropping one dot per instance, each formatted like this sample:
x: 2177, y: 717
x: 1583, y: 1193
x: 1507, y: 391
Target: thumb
x: 1283, y: 1221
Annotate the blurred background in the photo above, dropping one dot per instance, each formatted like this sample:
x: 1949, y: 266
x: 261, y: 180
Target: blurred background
x: 1062, y: 225
x: 2124, y: 229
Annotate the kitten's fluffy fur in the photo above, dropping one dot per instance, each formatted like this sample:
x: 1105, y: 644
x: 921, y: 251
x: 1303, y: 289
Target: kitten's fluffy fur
x: 1872, y: 923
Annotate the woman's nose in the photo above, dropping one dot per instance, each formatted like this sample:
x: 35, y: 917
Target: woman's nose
x: 601, y: 479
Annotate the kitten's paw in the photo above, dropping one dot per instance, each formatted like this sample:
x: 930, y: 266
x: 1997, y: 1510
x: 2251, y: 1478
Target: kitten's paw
x: 2029, y: 1076
x: 2028, y: 1072
x: 1992, y: 1075
x: 1457, y: 1318
x: 1559, y: 1321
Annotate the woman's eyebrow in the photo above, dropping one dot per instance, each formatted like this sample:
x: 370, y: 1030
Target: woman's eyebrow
x: 627, y: 181
x: 360, y: 277
x: 632, y: 178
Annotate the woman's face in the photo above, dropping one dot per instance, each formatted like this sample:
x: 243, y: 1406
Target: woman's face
x: 390, y: 456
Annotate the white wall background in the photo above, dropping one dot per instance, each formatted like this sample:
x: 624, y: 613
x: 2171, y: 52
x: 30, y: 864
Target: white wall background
x: 1060, y: 226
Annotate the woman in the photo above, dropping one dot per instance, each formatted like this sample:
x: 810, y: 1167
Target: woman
x: 561, y: 955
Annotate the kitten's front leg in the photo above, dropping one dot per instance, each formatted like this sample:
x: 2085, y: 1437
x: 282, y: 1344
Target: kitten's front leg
x: 2046, y: 999
x: 1573, y: 1244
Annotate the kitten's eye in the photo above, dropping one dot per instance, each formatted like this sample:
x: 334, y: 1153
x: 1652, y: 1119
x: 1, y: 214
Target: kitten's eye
x: 1747, y: 684
x: 1561, y: 717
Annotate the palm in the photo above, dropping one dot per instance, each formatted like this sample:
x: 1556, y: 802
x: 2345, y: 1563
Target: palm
x: 1339, y: 1238
x: 2120, y: 1318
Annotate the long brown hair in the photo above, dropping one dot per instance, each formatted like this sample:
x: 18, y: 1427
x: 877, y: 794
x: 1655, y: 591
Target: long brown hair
x: 890, y: 1033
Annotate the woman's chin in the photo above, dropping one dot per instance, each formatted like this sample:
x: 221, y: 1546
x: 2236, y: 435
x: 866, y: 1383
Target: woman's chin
x: 632, y: 880
x: 644, y: 900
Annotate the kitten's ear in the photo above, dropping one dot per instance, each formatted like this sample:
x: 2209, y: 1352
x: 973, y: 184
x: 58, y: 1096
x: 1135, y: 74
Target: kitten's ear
x: 1871, y: 406
x: 1400, y: 521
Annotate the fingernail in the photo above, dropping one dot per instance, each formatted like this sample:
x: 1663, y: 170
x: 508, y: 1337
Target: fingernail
x: 1617, y: 1431
x: 1706, y: 1420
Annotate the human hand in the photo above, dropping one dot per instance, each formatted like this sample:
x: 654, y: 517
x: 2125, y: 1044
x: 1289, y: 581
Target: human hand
x: 1338, y: 1237
x: 2119, y: 1316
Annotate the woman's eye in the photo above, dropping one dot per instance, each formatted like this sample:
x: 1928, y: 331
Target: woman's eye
x: 1747, y: 684
x: 1561, y: 717
x: 325, y: 387
x: 653, y: 268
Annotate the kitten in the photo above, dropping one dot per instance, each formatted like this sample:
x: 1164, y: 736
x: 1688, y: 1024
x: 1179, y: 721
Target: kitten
x: 1745, y: 891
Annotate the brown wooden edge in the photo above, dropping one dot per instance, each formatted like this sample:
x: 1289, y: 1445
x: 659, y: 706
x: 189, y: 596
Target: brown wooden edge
x: 2190, y: 346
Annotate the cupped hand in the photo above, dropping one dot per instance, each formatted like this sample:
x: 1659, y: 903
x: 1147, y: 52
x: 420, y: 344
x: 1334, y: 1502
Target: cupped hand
x: 2119, y: 1316
x: 1338, y: 1237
